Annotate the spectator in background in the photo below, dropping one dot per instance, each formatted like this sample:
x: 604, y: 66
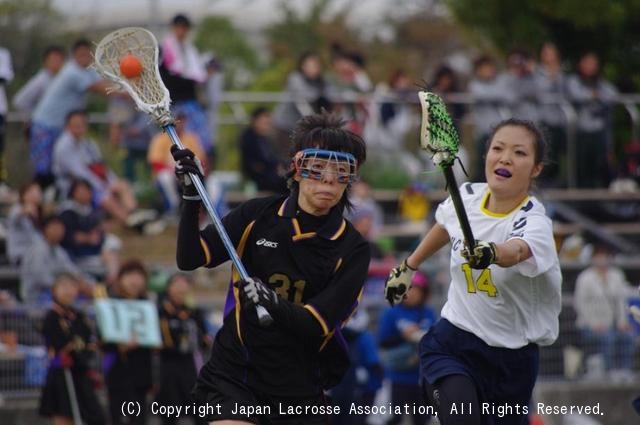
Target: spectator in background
x: 551, y: 82
x: 184, y: 334
x: 445, y: 82
x: 214, y: 92
x: 593, y: 97
x: 67, y: 92
x: 182, y: 71
x: 400, y: 329
x: 71, y: 345
x: 347, y: 80
x: 520, y: 85
x: 132, y: 129
x: 44, y: 260
x: 364, y: 377
x: 76, y: 156
x: 490, y: 100
x: 306, y: 87
x: 27, y: 98
x: 93, y: 250
x: 6, y: 75
x: 601, y: 301
x: 127, y: 366
x: 23, y: 224
x: 260, y: 163
x: 162, y: 163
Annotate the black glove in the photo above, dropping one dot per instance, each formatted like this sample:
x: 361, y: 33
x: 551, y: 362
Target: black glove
x: 253, y: 293
x: 187, y: 162
x: 481, y: 256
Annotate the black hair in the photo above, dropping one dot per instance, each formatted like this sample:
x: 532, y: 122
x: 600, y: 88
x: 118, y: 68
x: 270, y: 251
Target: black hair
x: 540, y: 145
x: 53, y: 48
x: 73, y: 113
x: 325, y: 131
x: 51, y: 218
x: 257, y: 112
x: 177, y: 276
x: 78, y: 182
x: 483, y: 60
x: 133, y: 266
x: 79, y: 43
x: 181, y: 20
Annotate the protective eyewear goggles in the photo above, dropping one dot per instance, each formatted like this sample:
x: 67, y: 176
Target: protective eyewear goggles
x: 315, y: 163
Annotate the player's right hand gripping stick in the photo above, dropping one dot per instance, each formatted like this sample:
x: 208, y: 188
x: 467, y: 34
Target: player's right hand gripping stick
x: 482, y: 256
x: 254, y: 293
x: 398, y: 283
x: 187, y: 162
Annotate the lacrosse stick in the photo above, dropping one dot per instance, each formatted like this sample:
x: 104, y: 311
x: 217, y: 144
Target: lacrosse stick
x: 73, y: 398
x: 152, y: 97
x: 439, y: 137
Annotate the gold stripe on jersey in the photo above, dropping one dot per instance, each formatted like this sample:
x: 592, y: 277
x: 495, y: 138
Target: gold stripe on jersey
x: 323, y: 323
x: 340, y: 231
x: 235, y: 276
x: 485, y: 200
x: 326, y: 341
x: 338, y: 264
x: 164, y: 325
x: 207, y: 253
x: 298, y: 233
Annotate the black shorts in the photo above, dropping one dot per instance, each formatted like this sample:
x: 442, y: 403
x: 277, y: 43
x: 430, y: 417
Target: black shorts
x: 228, y: 398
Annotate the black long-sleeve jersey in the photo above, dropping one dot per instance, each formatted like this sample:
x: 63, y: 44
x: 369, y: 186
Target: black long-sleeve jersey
x: 67, y: 329
x: 317, y: 266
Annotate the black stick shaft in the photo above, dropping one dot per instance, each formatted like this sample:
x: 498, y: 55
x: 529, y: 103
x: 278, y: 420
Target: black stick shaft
x: 452, y: 187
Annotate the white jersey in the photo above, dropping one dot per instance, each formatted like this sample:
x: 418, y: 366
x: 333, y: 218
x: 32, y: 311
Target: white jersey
x: 505, y: 307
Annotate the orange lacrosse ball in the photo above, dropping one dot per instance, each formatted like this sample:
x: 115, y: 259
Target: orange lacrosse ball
x: 130, y: 66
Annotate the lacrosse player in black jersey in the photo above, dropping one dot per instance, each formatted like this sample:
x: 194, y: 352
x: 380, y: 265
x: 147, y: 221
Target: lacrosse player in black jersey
x: 308, y: 265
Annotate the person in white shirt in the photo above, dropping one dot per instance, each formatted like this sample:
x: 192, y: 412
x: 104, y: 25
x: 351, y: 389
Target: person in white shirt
x: 27, y: 98
x: 600, y: 300
x: 505, y: 292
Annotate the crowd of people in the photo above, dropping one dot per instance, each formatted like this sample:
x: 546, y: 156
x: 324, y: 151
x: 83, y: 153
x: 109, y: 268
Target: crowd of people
x: 307, y: 152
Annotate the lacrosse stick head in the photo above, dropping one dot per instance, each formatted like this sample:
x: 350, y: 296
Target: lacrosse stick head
x: 438, y: 135
x: 147, y: 89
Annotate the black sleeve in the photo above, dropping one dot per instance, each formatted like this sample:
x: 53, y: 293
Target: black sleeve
x: 205, y: 248
x: 330, y: 308
x: 54, y: 336
x: 69, y: 221
x: 189, y: 253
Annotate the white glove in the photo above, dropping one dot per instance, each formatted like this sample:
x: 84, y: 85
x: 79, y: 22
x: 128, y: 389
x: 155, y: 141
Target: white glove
x: 398, y: 283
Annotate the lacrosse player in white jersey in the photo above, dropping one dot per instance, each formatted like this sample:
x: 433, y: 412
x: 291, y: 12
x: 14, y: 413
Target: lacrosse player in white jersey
x: 479, y: 363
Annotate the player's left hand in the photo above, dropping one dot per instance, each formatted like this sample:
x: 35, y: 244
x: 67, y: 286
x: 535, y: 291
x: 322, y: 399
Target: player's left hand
x: 481, y: 256
x: 253, y: 292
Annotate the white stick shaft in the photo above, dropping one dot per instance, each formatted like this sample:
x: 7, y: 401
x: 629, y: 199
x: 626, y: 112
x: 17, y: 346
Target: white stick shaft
x: 263, y: 314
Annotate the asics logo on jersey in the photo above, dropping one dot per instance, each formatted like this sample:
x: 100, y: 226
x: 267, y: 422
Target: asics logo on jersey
x: 268, y: 244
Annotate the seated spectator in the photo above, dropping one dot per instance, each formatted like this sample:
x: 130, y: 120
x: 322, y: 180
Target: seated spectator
x: 445, y: 82
x: 593, y: 97
x: 162, y: 163
x: 71, y: 344
x: 184, y: 334
x: 44, y: 260
x: 93, y: 250
x: 24, y: 221
x: 601, y: 297
x: 490, y: 96
x: 306, y: 87
x: 76, y: 156
x: 364, y: 377
x: 399, y: 332
x: 259, y: 161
